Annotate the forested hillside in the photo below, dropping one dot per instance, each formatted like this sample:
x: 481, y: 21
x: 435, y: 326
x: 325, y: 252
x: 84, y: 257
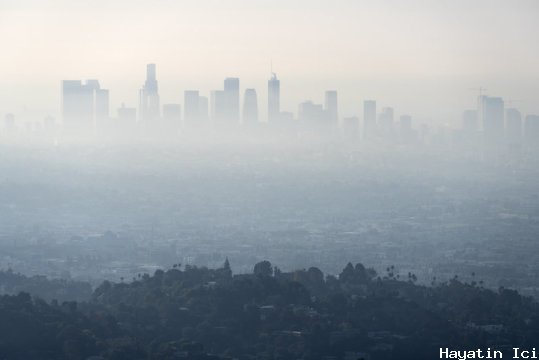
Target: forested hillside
x: 199, y: 313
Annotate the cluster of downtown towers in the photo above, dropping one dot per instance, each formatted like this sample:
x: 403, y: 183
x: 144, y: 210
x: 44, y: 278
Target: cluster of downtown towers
x: 85, y: 110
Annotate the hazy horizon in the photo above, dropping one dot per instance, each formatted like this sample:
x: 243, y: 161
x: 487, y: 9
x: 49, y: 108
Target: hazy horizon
x: 419, y: 57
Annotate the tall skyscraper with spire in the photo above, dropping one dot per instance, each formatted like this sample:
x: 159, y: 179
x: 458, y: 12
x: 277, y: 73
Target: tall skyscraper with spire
x: 274, y: 98
x: 149, y: 97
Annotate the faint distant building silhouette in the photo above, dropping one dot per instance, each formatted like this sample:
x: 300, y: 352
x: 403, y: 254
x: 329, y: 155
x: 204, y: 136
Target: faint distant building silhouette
x: 331, y: 106
x: 149, y: 98
x: 191, y: 111
x: 49, y: 124
x: 310, y: 112
x: 369, y: 119
x: 84, y: 106
x: 172, y: 117
x: 313, y: 119
x: 232, y: 100
x: 102, y: 107
x: 406, y: 131
x: 9, y: 123
x: 274, y: 98
x: 531, y: 131
x: 126, y: 122
x: 491, y: 116
x: 386, y: 122
x: 250, y: 107
x: 350, y: 128
x: 513, y: 127
x: 203, y: 109
x: 218, y: 107
x: 469, y: 121
x: 127, y: 115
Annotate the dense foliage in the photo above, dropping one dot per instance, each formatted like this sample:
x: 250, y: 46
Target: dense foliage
x: 12, y: 283
x: 194, y: 312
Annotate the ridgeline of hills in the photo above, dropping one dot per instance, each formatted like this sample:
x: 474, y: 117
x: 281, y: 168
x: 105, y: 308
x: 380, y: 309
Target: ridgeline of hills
x: 200, y: 313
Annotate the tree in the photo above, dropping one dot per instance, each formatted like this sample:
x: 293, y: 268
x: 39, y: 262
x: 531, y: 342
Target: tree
x: 226, y: 268
x: 263, y: 268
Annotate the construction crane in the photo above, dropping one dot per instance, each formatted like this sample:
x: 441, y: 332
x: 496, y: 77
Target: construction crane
x: 510, y: 102
x: 480, y: 89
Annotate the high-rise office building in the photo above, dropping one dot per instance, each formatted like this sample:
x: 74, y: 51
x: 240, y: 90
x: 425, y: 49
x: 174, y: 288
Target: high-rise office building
x: 191, y: 111
x: 203, y: 109
x: 406, y: 123
x: 127, y: 115
x: 531, y: 131
x: 172, y: 116
x: 218, y: 107
x: 369, y: 119
x: 491, y: 116
x: 513, y: 126
x: 350, y: 128
x: 313, y: 119
x: 127, y: 121
x: 250, y: 107
x: 406, y: 132
x: 331, y: 106
x: 232, y: 100
x: 310, y: 112
x: 469, y: 121
x: 274, y: 98
x: 149, y: 97
x: 386, y: 122
x: 84, y: 105
x: 172, y: 112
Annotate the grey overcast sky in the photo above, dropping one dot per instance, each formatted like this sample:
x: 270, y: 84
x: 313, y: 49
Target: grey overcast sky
x: 418, y: 56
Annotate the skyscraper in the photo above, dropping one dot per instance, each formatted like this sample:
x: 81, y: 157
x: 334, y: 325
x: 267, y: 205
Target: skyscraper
x: 84, y: 105
x: 250, y: 107
x: 531, y: 131
x: 386, y: 122
x: 310, y: 112
x: 332, y: 107
x: 191, y: 109
x: 217, y: 107
x: 406, y: 132
x: 232, y: 100
x: 513, y: 126
x: 127, y: 121
x: 369, y: 119
x: 313, y: 119
x: 491, y: 112
x: 469, y: 121
x: 127, y: 116
x: 172, y: 115
x: 274, y: 98
x: 351, y: 128
x: 149, y: 97
x: 203, y: 109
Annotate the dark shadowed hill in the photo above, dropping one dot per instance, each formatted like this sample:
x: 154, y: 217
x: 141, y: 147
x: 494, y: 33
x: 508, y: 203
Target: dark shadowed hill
x: 199, y: 313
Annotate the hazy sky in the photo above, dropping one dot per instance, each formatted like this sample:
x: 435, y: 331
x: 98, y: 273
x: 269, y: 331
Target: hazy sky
x: 418, y: 56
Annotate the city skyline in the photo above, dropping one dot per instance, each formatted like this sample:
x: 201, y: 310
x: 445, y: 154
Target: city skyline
x: 363, y: 49
x: 494, y: 126
x: 228, y: 106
